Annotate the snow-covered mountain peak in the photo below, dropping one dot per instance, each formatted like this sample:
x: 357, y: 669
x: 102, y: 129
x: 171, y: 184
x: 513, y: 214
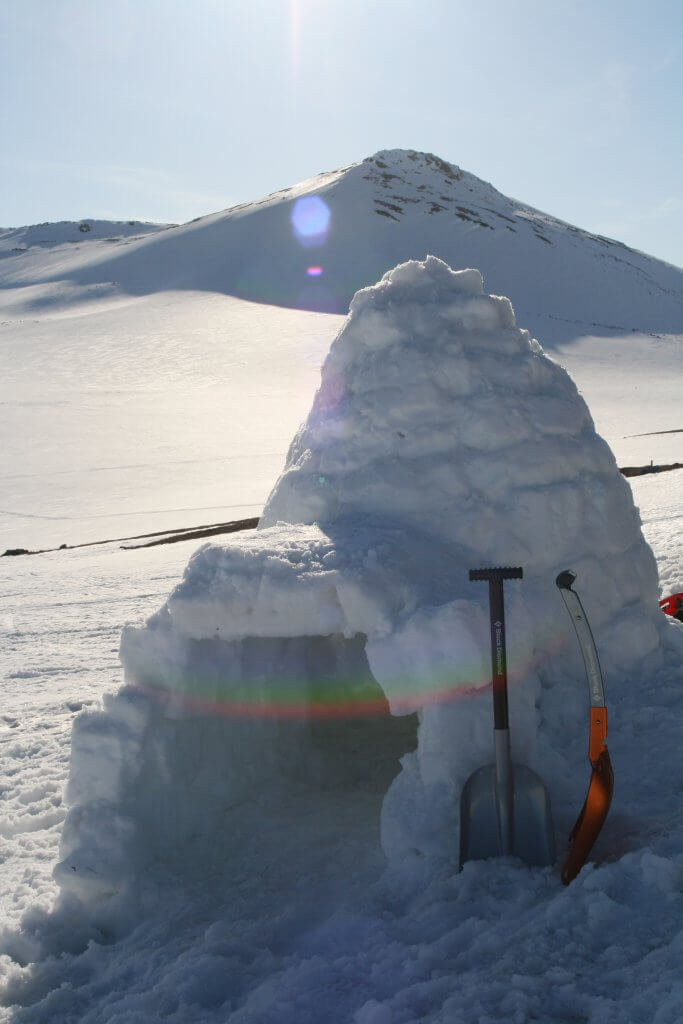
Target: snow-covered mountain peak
x: 398, y: 180
x: 314, y: 244
x: 402, y: 204
x: 411, y: 160
x: 427, y: 183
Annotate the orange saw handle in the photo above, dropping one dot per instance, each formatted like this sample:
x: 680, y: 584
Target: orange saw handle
x: 597, y: 735
x: 599, y: 797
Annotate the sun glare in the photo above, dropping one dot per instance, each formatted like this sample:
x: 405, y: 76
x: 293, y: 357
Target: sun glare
x: 294, y: 35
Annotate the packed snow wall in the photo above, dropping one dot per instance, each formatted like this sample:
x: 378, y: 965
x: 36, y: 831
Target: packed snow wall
x: 441, y: 439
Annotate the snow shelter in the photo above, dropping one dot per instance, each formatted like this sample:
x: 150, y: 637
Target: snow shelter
x: 341, y: 648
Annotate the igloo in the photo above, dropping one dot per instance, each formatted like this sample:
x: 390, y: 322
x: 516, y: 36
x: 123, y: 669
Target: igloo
x: 341, y: 647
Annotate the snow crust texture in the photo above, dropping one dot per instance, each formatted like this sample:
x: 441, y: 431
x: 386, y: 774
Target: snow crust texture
x: 442, y: 438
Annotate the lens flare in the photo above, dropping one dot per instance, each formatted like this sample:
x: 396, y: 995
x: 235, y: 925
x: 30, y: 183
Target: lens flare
x: 212, y: 694
x: 294, y: 35
x: 314, y: 271
x: 333, y: 698
x: 294, y: 702
x: 310, y: 221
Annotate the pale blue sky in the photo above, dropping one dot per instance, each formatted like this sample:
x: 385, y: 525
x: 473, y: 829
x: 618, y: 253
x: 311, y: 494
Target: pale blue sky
x: 168, y: 109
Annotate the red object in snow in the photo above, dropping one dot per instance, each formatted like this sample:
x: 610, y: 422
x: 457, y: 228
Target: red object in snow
x: 673, y: 605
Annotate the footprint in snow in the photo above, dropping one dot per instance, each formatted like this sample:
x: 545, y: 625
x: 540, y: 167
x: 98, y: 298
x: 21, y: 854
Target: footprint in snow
x: 78, y: 705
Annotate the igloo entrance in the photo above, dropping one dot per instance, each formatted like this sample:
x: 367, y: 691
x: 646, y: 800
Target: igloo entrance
x: 182, y: 766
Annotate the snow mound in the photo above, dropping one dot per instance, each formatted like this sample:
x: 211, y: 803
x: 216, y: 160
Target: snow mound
x: 442, y: 438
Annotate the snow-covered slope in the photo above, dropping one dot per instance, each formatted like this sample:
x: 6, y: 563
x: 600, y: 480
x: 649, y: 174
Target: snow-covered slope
x: 313, y: 245
x: 48, y: 236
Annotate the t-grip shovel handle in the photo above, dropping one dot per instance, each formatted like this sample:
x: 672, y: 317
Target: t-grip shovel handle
x: 495, y: 579
x: 502, y: 572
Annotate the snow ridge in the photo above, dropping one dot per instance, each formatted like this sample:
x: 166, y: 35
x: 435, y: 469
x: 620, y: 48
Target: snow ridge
x: 50, y: 235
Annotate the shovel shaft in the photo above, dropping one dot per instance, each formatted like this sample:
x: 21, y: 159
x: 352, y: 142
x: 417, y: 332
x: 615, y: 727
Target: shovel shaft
x: 504, y: 789
x: 499, y: 678
x: 499, y: 672
x: 503, y: 773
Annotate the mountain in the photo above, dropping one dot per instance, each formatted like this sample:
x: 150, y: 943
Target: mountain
x: 313, y: 245
x: 140, y: 384
x: 49, y: 235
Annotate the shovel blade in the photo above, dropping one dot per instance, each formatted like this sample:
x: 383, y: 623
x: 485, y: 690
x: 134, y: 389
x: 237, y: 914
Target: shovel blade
x: 480, y: 830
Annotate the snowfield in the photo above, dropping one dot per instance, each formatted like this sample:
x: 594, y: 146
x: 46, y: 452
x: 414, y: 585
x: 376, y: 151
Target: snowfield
x: 257, y: 819
x: 309, y: 909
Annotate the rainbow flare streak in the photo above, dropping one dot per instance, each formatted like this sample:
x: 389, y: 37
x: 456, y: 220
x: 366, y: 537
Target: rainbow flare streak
x: 329, y: 698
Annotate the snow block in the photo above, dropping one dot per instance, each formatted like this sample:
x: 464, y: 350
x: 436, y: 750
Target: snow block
x: 442, y: 438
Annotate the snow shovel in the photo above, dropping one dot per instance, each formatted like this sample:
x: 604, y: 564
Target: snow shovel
x: 601, y: 786
x: 504, y: 808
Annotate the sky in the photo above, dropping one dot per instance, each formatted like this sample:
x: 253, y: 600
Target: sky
x: 162, y: 110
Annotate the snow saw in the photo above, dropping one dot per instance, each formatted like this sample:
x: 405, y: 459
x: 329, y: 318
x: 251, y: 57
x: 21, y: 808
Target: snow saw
x: 504, y: 807
x: 601, y: 786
